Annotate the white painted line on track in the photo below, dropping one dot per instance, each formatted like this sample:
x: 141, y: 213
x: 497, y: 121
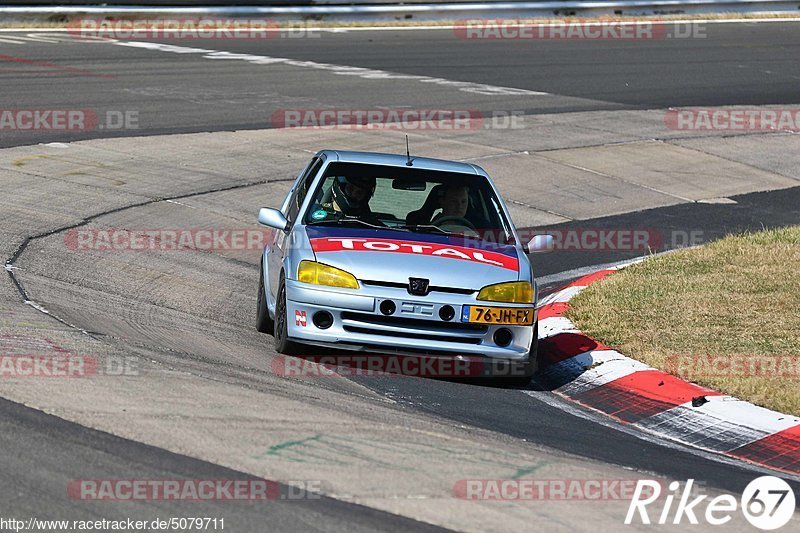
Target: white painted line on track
x: 26, y: 39
x: 583, y: 271
x: 579, y: 272
x: 341, y: 70
x: 37, y: 38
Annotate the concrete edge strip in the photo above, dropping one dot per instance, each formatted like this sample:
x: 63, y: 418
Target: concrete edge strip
x: 585, y: 371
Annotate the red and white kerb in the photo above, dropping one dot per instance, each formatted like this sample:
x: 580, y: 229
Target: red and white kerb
x: 597, y: 376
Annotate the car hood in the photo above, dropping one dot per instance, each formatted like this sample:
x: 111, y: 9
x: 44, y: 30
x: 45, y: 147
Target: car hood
x: 396, y: 256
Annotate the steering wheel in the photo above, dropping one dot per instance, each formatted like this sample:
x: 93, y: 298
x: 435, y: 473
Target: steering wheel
x: 448, y: 222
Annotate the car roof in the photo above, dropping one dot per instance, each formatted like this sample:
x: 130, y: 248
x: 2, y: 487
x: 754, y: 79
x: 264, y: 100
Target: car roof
x: 377, y: 158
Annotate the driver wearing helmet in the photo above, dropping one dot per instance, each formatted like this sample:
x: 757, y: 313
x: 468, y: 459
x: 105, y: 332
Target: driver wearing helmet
x: 350, y: 195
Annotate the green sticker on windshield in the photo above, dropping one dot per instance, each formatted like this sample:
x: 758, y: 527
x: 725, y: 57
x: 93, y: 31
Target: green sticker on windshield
x: 319, y: 214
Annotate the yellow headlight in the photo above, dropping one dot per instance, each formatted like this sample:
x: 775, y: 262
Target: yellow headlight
x: 517, y: 292
x: 319, y: 274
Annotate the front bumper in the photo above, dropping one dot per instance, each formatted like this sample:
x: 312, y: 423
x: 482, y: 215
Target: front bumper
x: 415, y: 326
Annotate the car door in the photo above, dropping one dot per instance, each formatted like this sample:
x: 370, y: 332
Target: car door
x: 290, y: 209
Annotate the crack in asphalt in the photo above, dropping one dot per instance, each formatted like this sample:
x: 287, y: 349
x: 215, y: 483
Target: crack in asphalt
x: 86, y: 220
x: 232, y: 372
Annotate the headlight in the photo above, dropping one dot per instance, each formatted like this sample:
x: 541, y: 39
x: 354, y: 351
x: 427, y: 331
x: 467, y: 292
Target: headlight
x: 319, y: 274
x: 515, y: 292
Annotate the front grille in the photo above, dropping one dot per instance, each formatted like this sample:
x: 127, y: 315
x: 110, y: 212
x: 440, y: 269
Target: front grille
x: 420, y: 336
x: 432, y: 288
x: 413, y: 322
x: 470, y: 333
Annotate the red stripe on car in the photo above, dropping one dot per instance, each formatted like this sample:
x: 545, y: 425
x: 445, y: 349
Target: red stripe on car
x: 350, y: 244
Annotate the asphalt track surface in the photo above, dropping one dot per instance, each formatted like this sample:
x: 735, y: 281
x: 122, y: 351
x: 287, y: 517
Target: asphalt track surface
x: 185, y: 93
x: 48, y: 452
x: 743, y: 64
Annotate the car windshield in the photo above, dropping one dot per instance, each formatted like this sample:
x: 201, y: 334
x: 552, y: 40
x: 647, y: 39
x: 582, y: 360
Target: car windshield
x: 408, y: 199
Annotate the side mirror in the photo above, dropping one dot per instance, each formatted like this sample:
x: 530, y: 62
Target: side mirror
x: 540, y: 243
x: 272, y: 218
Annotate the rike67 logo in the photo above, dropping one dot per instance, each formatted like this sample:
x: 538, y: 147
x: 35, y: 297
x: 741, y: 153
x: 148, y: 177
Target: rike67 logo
x: 767, y: 503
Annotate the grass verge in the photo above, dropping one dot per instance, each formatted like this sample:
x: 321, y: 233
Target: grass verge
x: 726, y: 315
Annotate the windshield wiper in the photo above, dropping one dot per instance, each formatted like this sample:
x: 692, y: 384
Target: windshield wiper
x: 422, y: 227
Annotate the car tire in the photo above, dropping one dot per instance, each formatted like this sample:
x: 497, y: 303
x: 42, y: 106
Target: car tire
x: 533, y: 355
x: 282, y: 343
x: 264, y: 323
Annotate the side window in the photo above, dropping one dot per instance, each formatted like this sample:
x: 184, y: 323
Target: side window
x: 300, y: 193
x: 301, y: 177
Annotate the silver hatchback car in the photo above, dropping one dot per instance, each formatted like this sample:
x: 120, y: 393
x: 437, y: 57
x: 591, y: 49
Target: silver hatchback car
x: 402, y: 255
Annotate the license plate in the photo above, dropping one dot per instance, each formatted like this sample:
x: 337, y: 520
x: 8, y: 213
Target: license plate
x: 520, y: 316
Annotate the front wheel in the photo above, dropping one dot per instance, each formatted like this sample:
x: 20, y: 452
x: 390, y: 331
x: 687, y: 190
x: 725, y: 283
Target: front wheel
x: 282, y: 343
x: 264, y: 323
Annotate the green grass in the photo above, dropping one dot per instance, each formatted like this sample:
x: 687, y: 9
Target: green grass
x: 737, y: 299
